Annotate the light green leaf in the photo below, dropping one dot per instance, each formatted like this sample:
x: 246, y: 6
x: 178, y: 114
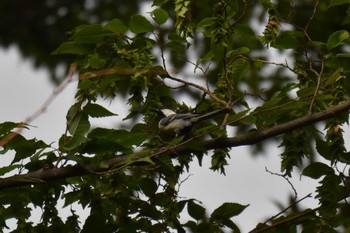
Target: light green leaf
x: 160, y: 16
x: 139, y: 24
x: 90, y: 33
x: 116, y: 26
x: 337, y: 39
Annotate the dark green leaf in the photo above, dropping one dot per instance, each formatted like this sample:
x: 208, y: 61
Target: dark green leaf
x: 206, y: 22
x: 78, y: 121
x: 148, y: 186
x: 6, y: 169
x: 288, y: 40
x: 227, y: 210
x: 195, y: 211
x: 95, y: 110
x: 323, y: 149
x: 6, y: 127
x: 139, y: 24
x: 316, y: 170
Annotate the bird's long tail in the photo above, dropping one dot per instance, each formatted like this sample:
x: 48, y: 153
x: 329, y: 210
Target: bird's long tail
x: 211, y: 114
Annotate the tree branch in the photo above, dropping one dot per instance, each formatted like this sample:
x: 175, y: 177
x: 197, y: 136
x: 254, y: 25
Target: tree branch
x: 141, y: 157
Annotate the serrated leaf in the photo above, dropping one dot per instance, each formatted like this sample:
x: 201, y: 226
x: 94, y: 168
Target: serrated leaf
x: 116, y: 26
x: 95, y: 110
x: 160, y: 16
x: 77, y: 120
x: 316, y: 170
x: 227, y: 210
x: 337, y: 39
x: 139, y: 24
x: 195, y: 211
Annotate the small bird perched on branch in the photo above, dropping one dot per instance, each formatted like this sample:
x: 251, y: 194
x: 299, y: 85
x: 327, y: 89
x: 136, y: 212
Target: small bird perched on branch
x: 182, y: 123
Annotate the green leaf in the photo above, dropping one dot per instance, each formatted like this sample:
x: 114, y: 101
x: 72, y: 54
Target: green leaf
x: 95, y: 110
x: 116, y: 26
x: 77, y: 120
x: 6, y: 169
x: 316, y: 170
x: 71, y: 143
x: 323, y: 149
x: 337, y: 39
x: 206, y: 22
x: 6, y: 127
x: 148, y: 186
x: 160, y: 16
x: 227, y: 210
x: 90, y: 34
x: 139, y: 24
x: 288, y: 40
x: 195, y: 211
x: 159, y: 2
x: 72, y: 47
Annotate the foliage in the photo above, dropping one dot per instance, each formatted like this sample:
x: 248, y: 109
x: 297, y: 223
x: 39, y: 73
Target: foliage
x: 129, y: 177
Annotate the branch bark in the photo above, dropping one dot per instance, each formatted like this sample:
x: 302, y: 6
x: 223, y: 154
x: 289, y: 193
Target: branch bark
x: 121, y: 162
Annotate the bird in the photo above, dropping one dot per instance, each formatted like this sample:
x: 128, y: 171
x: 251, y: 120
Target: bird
x: 182, y: 123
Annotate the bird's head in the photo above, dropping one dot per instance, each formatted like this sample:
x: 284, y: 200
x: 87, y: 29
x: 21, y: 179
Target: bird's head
x: 164, y: 112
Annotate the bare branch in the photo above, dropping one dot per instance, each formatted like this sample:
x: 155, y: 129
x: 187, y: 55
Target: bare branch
x: 286, y: 178
x: 199, y: 87
x: 43, y: 107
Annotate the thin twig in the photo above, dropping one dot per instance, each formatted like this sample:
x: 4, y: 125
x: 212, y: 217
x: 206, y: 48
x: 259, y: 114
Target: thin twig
x: 42, y: 108
x: 286, y: 178
x: 287, y: 208
x: 264, y: 227
x: 312, y: 16
x: 214, y: 97
x: 318, y: 83
x: 56, y: 91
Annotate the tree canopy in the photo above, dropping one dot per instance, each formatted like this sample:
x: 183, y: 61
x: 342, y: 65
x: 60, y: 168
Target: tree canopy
x: 191, y: 56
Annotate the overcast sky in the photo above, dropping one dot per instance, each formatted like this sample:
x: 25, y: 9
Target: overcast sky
x: 23, y: 90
